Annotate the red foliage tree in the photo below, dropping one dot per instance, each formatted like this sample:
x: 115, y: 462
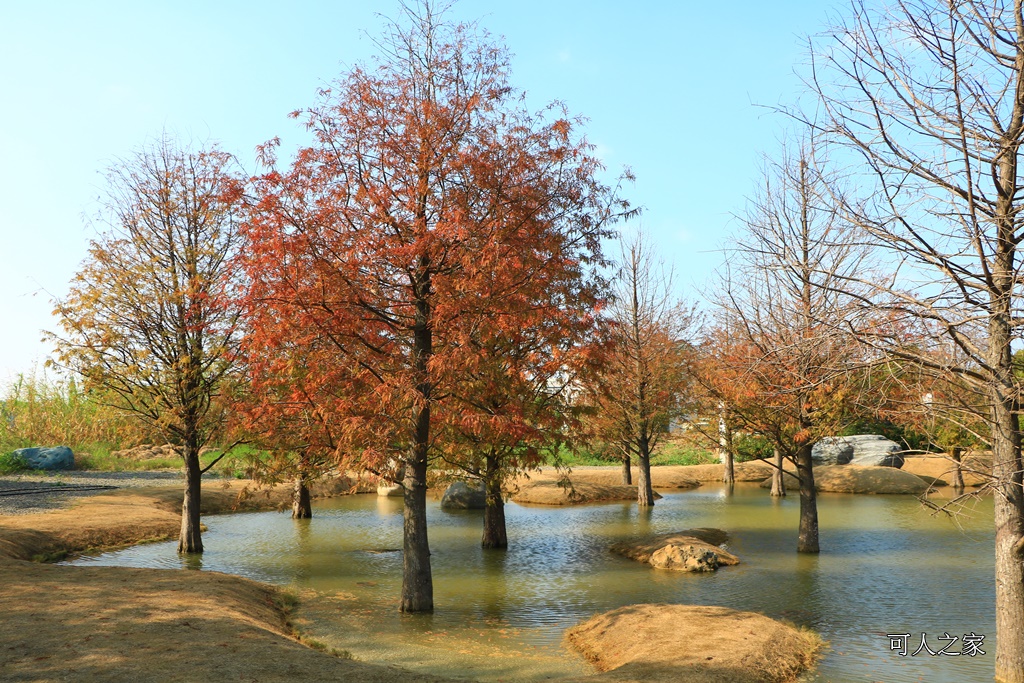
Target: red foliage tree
x: 416, y: 230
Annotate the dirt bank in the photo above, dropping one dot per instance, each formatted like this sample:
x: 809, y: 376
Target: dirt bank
x: 858, y: 479
x: 579, y: 493
x: 976, y: 468
x: 695, y: 644
x: 148, y: 626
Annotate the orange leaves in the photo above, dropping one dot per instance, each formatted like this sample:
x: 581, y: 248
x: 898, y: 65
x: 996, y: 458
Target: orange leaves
x: 430, y: 249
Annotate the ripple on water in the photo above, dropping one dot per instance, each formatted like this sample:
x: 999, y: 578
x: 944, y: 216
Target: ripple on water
x: 886, y: 567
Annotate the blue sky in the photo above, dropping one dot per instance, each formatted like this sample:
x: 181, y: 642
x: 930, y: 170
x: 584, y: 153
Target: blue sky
x: 671, y: 89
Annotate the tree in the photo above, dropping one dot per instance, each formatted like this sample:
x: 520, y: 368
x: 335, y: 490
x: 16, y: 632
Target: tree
x: 643, y: 384
x: 148, y: 320
x: 517, y: 403
x: 429, y: 203
x: 928, y: 100
x: 778, y: 360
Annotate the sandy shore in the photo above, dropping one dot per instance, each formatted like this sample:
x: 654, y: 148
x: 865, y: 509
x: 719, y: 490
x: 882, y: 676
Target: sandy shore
x: 65, y: 623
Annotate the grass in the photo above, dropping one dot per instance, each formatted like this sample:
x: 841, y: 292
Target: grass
x: 672, y: 451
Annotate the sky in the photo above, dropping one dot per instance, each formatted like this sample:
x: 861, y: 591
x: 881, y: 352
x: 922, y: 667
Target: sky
x: 680, y: 92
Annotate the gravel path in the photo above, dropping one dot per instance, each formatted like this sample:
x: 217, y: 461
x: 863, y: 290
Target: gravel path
x: 37, y: 492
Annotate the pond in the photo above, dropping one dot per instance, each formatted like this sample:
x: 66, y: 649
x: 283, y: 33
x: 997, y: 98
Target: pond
x: 887, y: 566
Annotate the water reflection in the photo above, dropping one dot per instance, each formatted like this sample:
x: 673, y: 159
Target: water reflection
x: 887, y: 566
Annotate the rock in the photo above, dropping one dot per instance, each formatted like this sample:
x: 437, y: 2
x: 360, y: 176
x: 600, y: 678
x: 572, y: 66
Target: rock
x: 55, y: 458
x: 390, y: 490
x: 693, y: 550
x: 863, y: 449
x: 832, y: 450
x: 685, y: 558
x: 461, y: 495
x: 875, y: 450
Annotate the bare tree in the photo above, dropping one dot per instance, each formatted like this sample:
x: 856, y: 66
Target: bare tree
x: 644, y: 384
x: 148, y: 319
x: 929, y: 98
x: 778, y: 362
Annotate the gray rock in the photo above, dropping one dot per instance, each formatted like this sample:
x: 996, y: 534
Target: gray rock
x: 462, y: 495
x: 684, y: 558
x: 832, y: 450
x: 875, y: 450
x: 862, y: 449
x: 56, y: 458
x: 390, y: 490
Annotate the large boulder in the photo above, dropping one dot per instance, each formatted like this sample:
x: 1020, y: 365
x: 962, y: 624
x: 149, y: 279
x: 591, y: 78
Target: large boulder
x: 866, y: 450
x: 55, y: 458
x: 832, y: 450
x: 874, y: 450
x: 463, y: 495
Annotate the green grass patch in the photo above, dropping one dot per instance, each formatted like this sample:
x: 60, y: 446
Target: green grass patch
x: 11, y: 463
x: 668, y: 452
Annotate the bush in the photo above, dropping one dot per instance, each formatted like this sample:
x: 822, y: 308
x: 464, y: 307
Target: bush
x: 751, y: 447
x: 11, y: 463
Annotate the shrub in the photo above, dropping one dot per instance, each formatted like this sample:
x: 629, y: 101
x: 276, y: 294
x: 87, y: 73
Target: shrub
x: 11, y: 463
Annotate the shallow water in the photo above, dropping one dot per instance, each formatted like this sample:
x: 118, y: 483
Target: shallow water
x: 887, y: 566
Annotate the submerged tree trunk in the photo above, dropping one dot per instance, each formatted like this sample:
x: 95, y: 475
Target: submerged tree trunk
x: 627, y: 473
x: 301, y: 506
x: 495, y: 535
x: 778, y: 476
x: 644, y: 492
x: 417, y: 582
x: 725, y: 454
x: 958, y: 472
x: 190, y: 540
x: 807, y: 541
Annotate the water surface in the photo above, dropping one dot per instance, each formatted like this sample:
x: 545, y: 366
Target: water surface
x: 887, y: 566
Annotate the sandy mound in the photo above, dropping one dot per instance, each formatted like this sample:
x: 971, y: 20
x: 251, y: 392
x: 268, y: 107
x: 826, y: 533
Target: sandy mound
x: 131, y: 516
x: 856, y: 479
x: 975, y: 467
x: 670, y: 551
x: 142, y: 625
x: 693, y: 644
x: 662, y: 476
x: 755, y: 470
x: 146, y: 625
x: 553, y: 493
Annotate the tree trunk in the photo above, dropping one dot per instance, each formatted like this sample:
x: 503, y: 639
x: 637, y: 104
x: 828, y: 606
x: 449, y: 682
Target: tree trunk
x: 301, y: 507
x: 417, y: 582
x: 627, y: 473
x: 1009, y: 542
x: 807, y: 542
x: 190, y: 540
x: 495, y: 535
x: 778, y: 476
x: 958, y: 472
x: 644, y: 492
x: 725, y: 455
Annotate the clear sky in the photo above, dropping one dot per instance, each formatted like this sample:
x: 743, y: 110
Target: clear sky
x: 671, y: 89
